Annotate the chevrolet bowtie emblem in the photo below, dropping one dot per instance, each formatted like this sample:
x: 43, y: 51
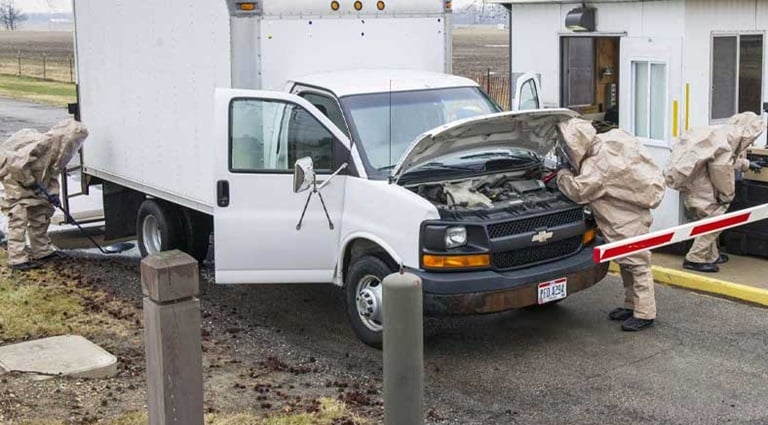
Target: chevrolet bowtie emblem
x: 542, y: 236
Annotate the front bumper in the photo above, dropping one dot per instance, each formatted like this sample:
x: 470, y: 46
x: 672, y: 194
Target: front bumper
x: 488, y: 291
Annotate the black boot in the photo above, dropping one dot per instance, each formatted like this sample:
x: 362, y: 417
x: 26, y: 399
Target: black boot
x: 29, y: 265
x: 701, y: 267
x: 620, y: 314
x: 633, y: 324
x: 54, y: 256
x: 722, y: 259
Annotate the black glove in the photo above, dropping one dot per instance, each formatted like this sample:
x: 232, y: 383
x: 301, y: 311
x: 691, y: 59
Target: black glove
x: 564, y: 165
x: 755, y: 166
x: 52, y: 198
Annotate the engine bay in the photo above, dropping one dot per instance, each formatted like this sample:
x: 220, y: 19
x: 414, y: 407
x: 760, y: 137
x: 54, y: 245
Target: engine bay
x: 512, y: 191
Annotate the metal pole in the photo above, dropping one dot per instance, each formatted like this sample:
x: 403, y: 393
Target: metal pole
x: 169, y: 281
x: 488, y: 81
x: 403, y: 350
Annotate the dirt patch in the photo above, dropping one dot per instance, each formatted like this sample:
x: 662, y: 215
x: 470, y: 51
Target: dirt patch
x: 246, y: 381
x: 35, y: 43
x: 477, y: 49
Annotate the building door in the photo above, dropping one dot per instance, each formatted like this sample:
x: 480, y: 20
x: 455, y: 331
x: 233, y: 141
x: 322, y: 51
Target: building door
x: 650, y: 95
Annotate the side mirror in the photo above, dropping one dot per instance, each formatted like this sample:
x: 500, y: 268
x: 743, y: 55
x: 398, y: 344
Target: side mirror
x: 303, y: 174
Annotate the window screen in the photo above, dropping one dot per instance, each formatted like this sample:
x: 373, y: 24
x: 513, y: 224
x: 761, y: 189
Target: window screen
x: 579, y: 61
x: 737, y: 74
x: 724, y: 77
x: 750, y: 73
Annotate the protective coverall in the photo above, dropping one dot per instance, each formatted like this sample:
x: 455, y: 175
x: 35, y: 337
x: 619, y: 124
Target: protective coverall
x: 702, y: 167
x: 620, y: 182
x: 28, y: 159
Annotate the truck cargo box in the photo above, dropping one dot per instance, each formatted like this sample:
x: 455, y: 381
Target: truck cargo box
x: 147, y: 72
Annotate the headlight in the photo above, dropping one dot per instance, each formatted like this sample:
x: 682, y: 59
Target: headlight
x: 455, y: 237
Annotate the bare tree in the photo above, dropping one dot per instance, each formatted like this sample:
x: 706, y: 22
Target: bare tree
x: 10, y: 15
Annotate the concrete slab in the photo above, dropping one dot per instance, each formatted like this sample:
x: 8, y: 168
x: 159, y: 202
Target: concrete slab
x: 741, y: 279
x: 68, y: 355
x: 748, y: 271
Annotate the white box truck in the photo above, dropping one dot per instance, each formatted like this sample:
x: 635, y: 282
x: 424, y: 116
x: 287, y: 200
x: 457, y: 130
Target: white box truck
x: 323, y: 141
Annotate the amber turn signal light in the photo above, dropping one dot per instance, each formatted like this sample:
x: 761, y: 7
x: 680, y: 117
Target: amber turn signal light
x: 456, y: 261
x: 380, y: 5
x: 358, y: 5
x: 589, y: 236
x: 248, y: 7
x: 335, y: 6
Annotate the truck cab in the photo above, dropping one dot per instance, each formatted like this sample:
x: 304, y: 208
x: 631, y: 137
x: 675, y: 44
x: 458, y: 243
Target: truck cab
x: 411, y: 170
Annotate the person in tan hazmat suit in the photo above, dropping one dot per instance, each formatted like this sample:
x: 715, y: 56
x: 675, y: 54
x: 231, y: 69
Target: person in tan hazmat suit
x: 29, y: 161
x: 703, y: 168
x: 612, y: 173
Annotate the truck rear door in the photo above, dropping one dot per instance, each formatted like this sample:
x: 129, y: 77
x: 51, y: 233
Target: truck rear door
x: 259, y: 137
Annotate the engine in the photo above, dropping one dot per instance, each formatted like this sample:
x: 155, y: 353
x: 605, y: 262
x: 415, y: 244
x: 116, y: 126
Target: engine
x: 494, y: 192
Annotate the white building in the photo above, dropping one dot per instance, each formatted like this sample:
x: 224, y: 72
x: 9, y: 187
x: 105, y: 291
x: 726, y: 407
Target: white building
x: 656, y: 66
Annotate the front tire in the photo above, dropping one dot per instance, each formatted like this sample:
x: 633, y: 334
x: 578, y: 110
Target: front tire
x: 364, y: 293
x: 158, y: 227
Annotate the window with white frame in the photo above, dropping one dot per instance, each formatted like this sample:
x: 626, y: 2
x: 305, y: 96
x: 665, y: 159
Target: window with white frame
x: 649, y: 93
x: 737, y: 74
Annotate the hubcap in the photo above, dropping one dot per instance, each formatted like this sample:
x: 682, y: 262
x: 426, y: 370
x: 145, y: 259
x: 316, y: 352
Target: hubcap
x: 150, y: 230
x: 368, y: 300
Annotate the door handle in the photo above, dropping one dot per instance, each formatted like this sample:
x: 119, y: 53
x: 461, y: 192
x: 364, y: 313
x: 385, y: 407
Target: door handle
x: 222, y: 193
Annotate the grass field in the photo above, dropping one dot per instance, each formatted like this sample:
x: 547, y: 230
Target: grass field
x: 50, y: 92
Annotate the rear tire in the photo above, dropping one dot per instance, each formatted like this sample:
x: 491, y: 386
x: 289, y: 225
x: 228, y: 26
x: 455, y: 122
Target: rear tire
x: 158, y: 227
x: 363, y: 288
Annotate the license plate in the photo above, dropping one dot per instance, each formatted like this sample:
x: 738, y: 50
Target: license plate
x: 553, y: 290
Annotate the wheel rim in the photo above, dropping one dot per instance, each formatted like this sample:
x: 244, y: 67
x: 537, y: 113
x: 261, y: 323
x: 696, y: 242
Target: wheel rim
x: 153, y: 240
x: 368, y: 300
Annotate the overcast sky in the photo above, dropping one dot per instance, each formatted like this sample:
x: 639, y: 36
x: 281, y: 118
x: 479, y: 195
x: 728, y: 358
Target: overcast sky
x: 44, y: 6
x: 54, y: 6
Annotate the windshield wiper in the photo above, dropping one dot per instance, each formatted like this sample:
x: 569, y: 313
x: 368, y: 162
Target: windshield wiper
x: 447, y: 167
x: 525, y: 156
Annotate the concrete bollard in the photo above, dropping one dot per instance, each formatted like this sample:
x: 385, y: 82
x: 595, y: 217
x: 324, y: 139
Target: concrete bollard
x: 169, y: 281
x: 403, y: 350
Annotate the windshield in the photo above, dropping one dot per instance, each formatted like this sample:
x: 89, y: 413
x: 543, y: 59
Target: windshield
x: 385, y: 131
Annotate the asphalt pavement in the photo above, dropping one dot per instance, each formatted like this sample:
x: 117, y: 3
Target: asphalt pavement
x: 705, y: 361
x: 15, y: 115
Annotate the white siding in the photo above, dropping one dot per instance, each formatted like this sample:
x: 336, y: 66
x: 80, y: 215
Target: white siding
x: 703, y: 17
x: 536, y: 31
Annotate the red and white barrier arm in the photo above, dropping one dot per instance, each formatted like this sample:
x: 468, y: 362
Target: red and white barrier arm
x: 614, y: 250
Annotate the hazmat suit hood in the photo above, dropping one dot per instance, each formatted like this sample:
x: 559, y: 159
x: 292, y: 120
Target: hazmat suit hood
x: 29, y: 158
x: 578, y: 139
x: 745, y: 128
x: 67, y: 138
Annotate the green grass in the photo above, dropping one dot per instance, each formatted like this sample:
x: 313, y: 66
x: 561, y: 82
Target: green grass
x: 43, y: 303
x: 50, y: 92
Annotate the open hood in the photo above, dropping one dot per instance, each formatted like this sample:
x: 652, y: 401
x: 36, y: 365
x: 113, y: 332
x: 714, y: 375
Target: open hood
x: 533, y: 130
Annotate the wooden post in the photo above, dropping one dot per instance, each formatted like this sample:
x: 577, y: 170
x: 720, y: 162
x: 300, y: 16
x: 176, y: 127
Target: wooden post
x: 71, y: 71
x: 19, y: 63
x: 44, y: 73
x: 169, y: 281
